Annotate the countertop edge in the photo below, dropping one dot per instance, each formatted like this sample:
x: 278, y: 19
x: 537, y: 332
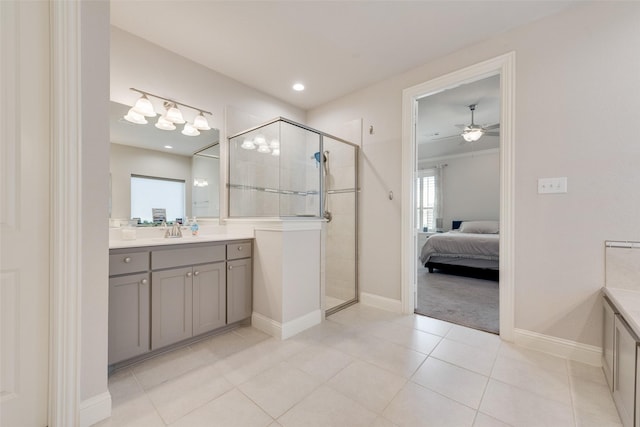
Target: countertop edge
x: 628, y: 304
x: 139, y: 243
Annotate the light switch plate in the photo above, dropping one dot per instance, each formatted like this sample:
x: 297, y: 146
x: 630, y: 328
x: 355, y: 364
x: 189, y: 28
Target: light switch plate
x: 552, y: 185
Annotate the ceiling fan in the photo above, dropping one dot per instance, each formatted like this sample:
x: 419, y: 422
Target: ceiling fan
x: 474, y: 132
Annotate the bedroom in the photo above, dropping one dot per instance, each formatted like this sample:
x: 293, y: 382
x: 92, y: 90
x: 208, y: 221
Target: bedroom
x: 458, y: 202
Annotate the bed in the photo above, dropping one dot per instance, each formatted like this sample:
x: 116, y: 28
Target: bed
x: 470, y: 250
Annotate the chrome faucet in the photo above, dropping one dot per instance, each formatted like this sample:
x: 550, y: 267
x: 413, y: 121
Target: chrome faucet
x: 175, y: 231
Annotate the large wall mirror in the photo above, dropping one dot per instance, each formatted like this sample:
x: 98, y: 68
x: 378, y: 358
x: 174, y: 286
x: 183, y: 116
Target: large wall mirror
x: 142, y: 150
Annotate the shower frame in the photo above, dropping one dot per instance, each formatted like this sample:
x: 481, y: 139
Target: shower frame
x: 356, y: 191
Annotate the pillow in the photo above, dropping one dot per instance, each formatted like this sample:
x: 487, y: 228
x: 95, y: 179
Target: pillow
x: 480, y: 227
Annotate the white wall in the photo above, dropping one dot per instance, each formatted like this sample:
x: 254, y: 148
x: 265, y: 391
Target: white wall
x: 577, y: 101
x: 94, y: 197
x: 471, y: 187
x: 125, y: 161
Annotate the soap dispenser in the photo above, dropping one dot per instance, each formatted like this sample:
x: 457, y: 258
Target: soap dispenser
x: 194, y: 227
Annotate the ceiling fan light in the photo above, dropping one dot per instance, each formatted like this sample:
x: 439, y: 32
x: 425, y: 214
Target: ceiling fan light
x: 472, y: 134
x: 200, y: 122
x: 165, y: 124
x: 189, y: 130
x: 135, y: 117
x: 174, y: 115
x: 248, y: 144
x: 144, y: 106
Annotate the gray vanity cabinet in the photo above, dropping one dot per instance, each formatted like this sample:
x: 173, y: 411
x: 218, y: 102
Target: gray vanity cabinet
x: 624, y: 382
x: 128, y: 316
x: 171, y: 306
x: 239, y: 281
x: 171, y: 293
x: 209, y: 297
x: 608, y: 340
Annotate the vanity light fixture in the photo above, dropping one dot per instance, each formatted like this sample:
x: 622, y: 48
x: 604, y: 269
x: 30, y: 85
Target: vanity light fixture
x: 135, y: 117
x: 263, y: 149
x: 173, y: 115
x: 143, y: 106
x: 200, y: 182
x: 200, y: 122
x: 189, y: 130
x: 260, y: 140
x: 165, y: 124
x: 248, y: 144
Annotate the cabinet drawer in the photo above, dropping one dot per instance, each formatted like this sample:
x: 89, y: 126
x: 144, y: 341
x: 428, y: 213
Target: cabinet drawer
x: 186, y: 256
x: 126, y: 263
x: 239, y: 250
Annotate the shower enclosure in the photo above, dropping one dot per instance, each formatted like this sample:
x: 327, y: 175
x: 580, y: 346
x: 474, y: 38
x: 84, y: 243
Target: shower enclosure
x: 286, y: 170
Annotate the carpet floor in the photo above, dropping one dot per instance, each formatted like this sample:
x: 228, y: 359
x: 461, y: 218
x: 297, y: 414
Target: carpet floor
x: 457, y: 299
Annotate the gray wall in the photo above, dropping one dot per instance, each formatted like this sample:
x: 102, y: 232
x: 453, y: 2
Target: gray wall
x: 573, y: 70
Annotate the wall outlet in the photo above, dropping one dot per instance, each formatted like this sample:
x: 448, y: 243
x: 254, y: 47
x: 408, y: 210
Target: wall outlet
x: 552, y: 185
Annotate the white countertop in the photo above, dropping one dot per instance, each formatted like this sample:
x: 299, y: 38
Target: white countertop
x: 628, y: 303
x: 161, y: 241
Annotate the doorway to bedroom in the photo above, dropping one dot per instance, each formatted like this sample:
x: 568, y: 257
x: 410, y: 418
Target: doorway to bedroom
x: 479, y: 153
x: 458, y: 204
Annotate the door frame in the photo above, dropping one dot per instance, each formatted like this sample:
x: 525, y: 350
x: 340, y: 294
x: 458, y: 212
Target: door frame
x: 503, y: 65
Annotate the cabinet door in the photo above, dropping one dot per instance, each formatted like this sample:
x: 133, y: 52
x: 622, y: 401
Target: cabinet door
x: 608, y: 334
x: 171, y: 306
x: 624, y: 370
x: 239, y: 305
x: 128, y: 316
x: 209, y: 297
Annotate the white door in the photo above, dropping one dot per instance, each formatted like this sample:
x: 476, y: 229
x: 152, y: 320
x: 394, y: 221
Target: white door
x: 24, y: 212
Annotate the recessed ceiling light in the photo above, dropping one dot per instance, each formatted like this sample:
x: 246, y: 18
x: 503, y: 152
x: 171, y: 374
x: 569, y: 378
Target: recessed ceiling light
x: 298, y: 87
x: 168, y: 146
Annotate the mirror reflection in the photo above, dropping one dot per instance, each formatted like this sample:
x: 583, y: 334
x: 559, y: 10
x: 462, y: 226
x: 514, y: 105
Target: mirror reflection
x: 143, y: 151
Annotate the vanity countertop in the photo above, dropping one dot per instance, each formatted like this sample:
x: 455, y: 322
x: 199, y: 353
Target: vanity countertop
x: 628, y: 302
x: 161, y: 241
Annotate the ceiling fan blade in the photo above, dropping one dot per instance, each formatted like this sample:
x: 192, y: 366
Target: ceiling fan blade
x: 440, y: 138
x: 492, y: 133
x: 494, y: 126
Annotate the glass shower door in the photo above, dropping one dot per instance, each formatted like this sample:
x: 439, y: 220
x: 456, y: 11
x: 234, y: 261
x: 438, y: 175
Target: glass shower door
x: 340, y: 199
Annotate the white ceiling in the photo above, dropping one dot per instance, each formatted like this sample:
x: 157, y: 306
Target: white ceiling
x: 333, y: 47
x: 443, y: 115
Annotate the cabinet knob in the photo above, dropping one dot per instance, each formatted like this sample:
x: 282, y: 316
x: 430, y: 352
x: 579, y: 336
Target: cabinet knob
x: 239, y: 248
x: 231, y: 267
x: 144, y: 281
x: 195, y: 273
x: 127, y: 259
x: 189, y: 274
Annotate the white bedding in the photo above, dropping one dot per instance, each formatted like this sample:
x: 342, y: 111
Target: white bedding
x: 461, y: 245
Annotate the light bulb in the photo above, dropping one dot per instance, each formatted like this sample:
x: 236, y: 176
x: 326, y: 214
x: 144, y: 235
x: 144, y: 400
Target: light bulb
x: 200, y: 122
x: 134, y: 117
x: 472, y: 134
x: 144, y: 106
x: 274, y: 143
x: 275, y: 152
x: 260, y: 140
x: 189, y: 130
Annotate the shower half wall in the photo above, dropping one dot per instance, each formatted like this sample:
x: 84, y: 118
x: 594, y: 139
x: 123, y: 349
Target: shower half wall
x: 288, y: 171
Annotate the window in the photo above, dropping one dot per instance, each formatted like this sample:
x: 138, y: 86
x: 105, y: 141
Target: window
x: 425, y: 201
x: 148, y: 193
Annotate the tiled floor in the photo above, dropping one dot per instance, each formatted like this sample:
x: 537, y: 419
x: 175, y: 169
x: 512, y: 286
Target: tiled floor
x: 362, y: 367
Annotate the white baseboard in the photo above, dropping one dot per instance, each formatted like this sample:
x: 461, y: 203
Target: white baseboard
x: 266, y: 325
x: 95, y: 409
x: 383, y: 303
x: 567, y: 349
x: 288, y: 329
x: 300, y: 324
